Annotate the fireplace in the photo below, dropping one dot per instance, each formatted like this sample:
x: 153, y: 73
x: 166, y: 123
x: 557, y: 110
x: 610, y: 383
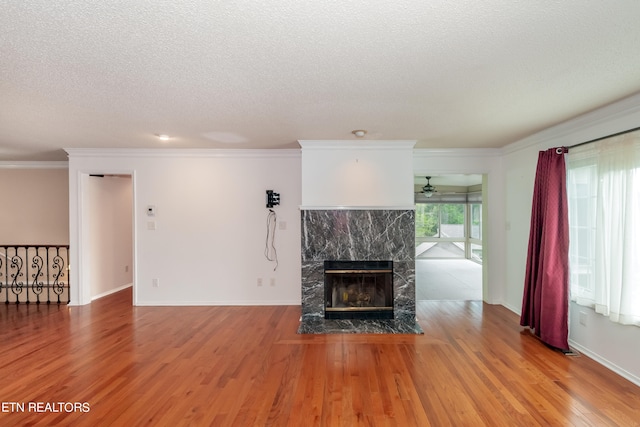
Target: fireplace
x: 374, y: 245
x: 358, y: 289
x: 358, y: 205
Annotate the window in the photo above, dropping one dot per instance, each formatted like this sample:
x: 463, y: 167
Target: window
x: 442, y: 230
x: 452, y: 220
x: 476, y: 221
x: 582, y: 212
x: 440, y: 220
x: 427, y: 220
x: 603, y: 185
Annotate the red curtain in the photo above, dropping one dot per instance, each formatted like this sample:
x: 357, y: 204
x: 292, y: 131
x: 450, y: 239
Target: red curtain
x: 545, y: 303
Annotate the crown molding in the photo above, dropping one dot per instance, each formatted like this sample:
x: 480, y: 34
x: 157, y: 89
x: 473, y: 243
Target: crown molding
x: 594, y: 124
x: 333, y: 145
x: 34, y: 165
x: 182, y: 153
x: 456, y: 152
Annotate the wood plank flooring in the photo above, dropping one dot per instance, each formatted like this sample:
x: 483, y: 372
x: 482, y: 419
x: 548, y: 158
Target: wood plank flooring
x: 246, y: 366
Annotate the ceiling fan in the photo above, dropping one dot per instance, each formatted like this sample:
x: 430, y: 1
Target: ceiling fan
x: 428, y: 189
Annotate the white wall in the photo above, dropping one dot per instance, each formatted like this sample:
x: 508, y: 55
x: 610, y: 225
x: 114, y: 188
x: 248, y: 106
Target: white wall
x: 208, y: 245
x: 357, y: 174
x: 488, y: 163
x: 35, y: 200
x: 108, y: 210
x: 612, y: 344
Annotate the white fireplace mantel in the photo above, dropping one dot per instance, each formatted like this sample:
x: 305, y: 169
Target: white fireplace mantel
x: 358, y: 174
x: 355, y: 208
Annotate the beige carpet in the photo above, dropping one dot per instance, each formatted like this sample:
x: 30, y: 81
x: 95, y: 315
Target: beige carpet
x: 448, y: 279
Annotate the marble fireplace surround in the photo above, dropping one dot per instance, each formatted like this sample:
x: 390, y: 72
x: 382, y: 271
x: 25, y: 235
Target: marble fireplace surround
x: 358, y: 234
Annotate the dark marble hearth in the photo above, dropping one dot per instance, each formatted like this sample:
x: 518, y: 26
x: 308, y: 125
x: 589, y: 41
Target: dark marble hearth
x: 353, y: 326
x: 352, y: 235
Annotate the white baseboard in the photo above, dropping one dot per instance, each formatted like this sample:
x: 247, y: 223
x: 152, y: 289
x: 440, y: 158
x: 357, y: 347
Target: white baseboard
x: 111, y: 291
x: 511, y: 308
x: 215, y: 303
x: 601, y: 360
x: 590, y: 354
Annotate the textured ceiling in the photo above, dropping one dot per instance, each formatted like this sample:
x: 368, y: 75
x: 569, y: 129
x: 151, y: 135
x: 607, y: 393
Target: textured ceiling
x: 247, y: 74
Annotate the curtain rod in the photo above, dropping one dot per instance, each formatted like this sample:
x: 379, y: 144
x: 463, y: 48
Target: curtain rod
x: 602, y: 137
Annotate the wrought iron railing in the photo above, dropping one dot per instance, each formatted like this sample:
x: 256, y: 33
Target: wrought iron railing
x: 34, y: 274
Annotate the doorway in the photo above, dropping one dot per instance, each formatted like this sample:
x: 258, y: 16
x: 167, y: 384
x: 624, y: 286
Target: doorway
x: 449, y: 223
x: 108, y: 212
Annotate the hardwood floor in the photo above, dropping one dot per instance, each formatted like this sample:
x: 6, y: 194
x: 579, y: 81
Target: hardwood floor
x: 246, y: 366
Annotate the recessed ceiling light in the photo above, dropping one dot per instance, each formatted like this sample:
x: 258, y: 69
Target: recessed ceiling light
x: 359, y: 133
x: 163, y: 137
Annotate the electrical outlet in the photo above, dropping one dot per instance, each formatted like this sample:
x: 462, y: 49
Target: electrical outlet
x: 583, y: 318
x: 259, y: 281
x: 272, y: 281
x: 155, y: 282
x: 126, y: 268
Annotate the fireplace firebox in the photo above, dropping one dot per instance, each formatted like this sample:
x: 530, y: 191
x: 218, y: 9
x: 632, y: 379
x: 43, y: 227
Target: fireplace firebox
x: 358, y: 289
